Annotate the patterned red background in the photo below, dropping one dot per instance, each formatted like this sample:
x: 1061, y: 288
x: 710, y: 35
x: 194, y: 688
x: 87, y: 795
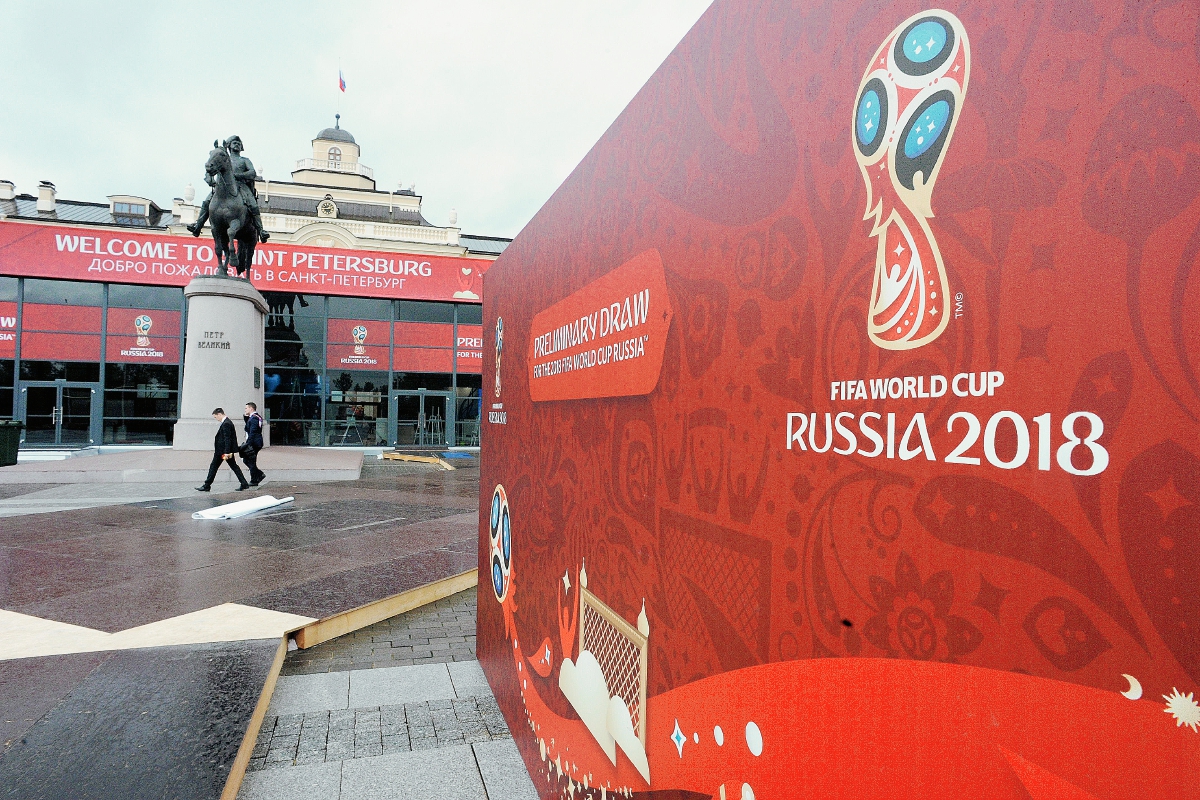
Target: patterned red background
x: 899, y: 627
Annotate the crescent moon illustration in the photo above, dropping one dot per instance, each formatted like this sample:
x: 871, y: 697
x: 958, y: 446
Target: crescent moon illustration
x: 1135, y: 688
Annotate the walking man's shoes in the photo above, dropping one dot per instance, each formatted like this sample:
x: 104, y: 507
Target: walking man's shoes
x: 203, y: 489
x: 242, y: 488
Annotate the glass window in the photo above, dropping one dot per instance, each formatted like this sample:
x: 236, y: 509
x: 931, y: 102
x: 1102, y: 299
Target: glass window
x: 142, y: 377
x: 285, y: 305
x: 149, y: 402
x: 335, y: 154
x: 470, y: 314
x: 139, y: 431
x: 8, y: 290
x: 120, y: 208
x: 420, y: 311
x: 71, y: 293
x: 309, y: 330
x: 291, y: 381
x: 295, y: 432
x: 168, y: 298
x: 54, y: 370
x: 359, y: 308
x: 421, y: 380
x: 294, y: 353
x: 469, y: 382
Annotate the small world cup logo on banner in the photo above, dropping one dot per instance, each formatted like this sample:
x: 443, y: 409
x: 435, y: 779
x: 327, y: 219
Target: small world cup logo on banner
x: 499, y: 348
x: 142, y: 326
x: 360, y: 335
x: 500, y: 536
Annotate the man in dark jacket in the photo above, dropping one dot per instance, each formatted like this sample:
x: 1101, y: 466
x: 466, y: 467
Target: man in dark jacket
x: 254, y: 443
x: 224, y: 446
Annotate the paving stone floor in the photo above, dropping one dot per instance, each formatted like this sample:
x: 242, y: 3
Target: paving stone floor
x: 433, y: 634
x: 355, y: 712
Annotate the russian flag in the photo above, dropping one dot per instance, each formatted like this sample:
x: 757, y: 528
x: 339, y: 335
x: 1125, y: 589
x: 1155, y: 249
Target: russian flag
x: 341, y: 81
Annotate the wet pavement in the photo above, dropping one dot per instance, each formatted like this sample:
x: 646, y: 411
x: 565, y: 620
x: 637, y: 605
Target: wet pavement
x: 155, y: 723
x: 167, y: 721
x: 339, y: 546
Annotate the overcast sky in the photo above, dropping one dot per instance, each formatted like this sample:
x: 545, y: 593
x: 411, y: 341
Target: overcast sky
x: 486, y: 106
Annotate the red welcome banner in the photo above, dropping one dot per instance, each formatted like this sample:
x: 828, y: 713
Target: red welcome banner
x: 605, y: 340
x: 87, y: 254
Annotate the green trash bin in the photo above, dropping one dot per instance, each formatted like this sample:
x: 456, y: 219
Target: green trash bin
x: 10, y: 440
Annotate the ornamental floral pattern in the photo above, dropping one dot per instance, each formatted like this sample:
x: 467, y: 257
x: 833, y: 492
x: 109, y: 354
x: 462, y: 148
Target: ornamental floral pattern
x: 913, y: 618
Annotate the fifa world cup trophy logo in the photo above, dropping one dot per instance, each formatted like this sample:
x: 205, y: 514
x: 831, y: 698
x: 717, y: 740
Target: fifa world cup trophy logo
x: 499, y: 347
x: 360, y: 335
x: 142, y: 326
x: 907, y: 107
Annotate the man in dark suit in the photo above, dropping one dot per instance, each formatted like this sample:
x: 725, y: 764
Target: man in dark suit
x: 224, y: 446
x: 254, y: 443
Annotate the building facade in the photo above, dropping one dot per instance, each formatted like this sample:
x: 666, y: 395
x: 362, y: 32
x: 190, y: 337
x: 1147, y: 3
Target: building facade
x: 373, y: 336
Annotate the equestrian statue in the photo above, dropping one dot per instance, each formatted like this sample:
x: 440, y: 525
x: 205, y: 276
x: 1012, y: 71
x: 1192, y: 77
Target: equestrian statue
x: 231, y: 207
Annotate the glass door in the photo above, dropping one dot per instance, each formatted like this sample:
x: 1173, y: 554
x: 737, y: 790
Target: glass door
x: 466, y: 416
x: 58, y: 413
x: 41, y: 415
x: 75, y: 415
x: 409, y: 420
x: 423, y: 419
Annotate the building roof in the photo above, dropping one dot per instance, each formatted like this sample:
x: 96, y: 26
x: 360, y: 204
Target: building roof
x: 336, y: 133
x: 363, y: 212
x: 484, y: 245
x: 24, y: 206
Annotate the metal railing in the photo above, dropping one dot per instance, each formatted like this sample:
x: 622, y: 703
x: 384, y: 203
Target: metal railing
x: 336, y: 166
x: 369, y: 230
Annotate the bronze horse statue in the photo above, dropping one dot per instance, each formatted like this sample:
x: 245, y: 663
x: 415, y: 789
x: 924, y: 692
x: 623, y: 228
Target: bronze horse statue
x: 228, y: 216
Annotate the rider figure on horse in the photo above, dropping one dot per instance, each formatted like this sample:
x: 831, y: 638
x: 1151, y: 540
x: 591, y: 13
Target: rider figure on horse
x: 244, y: 173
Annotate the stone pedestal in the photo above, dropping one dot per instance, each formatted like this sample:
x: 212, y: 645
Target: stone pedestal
x: 223, y: 362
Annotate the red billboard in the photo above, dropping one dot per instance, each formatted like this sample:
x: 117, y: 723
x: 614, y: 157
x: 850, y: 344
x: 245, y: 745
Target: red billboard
x: 51, y: 346
x: 60, y: 332
x: 8, y: 330
x: 909, y: 505
x: 75, y: 319
x: 142, y: 336
x: 89, y: 254
x: 423, y: 334
x: 358, y: 344
x: 422, y: 359
x: 470, y: 349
